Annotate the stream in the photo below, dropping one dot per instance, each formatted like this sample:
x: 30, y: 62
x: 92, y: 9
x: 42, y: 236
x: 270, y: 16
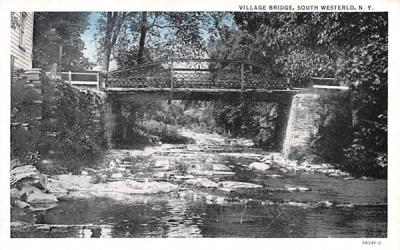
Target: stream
x: 217, y: 194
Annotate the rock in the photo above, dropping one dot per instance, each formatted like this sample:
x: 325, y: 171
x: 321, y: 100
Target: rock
x: 259, y: 166
x: 365, y: 178
x: 209, y: 160
x: 28, y: 173
x: 28, y: 189
x: 274, y: 176
x: 220, y: 167
x: 278, y: 158
x: 79, y: 195
x: 325, y: 204
x: 313, y: 159
x: 15, y: 193
x: 56, y: 187
x: 117, y: 175
x: 222, y: 173
x: 183, y: 177
x: 15, y: 163
x: 84, y: 172
x: 21, y: 204
x: 131, y: 187
x: 18, y: 224
x: 42, y: 207
x: 200, y: 172
x: 161, y: 163
x: 72, y: 182
x: 302, y: 189
x: 202, y: 182
x: 293, y: 189
x: 237, y: 184
x: 267, y: 159
x: 38, y: 198
x: 220, y: 200
x: 159, y: 175
x: 43, y: 228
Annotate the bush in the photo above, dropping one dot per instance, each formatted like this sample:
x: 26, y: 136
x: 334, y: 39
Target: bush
x: 297, y: 153
x: 67, y: 134
x: 167, y: 133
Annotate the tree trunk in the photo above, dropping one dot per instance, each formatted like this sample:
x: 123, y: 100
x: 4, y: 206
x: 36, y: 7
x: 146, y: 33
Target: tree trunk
x: 106, y: 58
x: 143, y: 31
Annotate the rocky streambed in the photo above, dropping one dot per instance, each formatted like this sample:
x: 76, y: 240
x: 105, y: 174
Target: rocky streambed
x: 216, y: 187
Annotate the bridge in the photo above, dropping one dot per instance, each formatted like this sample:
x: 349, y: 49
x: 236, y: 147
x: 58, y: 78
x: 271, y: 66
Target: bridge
x: 205, y: 79
x: 198, y: 79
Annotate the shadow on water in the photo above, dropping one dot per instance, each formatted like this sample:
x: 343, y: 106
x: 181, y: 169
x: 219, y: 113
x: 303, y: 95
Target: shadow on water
x: 164, y: 216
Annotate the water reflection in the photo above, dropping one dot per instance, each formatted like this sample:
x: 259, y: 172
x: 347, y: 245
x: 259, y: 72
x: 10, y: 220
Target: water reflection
x: 332, y: 208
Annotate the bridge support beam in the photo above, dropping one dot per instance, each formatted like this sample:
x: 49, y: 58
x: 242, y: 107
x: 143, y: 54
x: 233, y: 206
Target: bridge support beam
x: 311, y: 111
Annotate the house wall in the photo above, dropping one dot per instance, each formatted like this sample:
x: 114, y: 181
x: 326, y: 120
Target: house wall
x: 22, y: 52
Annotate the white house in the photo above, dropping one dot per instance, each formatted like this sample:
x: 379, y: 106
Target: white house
x: 21, y: 41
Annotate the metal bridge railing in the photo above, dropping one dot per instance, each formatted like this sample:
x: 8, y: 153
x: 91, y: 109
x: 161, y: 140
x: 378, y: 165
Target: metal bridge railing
x: 194, y: 73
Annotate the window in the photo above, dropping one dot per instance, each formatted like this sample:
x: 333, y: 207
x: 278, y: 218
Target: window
x: 22, y: 30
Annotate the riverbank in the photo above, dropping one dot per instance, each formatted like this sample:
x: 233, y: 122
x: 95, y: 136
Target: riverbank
x: 215, y: 172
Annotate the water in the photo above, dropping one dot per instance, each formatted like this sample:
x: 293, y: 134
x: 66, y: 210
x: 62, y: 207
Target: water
x: 333, y: 207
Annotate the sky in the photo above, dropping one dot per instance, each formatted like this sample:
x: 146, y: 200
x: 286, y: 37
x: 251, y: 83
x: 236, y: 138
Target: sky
x: 88, y: 37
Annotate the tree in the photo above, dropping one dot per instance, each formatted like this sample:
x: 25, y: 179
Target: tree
x: 55, y: 29
x: 109, y: 29
x: 351, y: 47
x: 150, y: 36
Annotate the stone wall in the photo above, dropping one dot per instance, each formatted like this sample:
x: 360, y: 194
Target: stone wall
x: 53, y: 125
x: 310, y: 110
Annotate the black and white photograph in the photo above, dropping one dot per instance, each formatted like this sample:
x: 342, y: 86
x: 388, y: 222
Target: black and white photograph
x: 270, y: 121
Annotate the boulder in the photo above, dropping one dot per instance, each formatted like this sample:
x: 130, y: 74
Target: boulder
x: 21, y: 204
x: 18, y: 224
x: 55, y: 186
x: 15, y: 163
x: 72, y: 182
x: 202, y: 182
x: 213, y: 173
x: 42, y: 206
x: 15, y: 193
x: 41, y: 198
x: 79, y: 195
x: 259, y: 166
x: 220, y: 167
x: 117, y: 175
x: 301, y: 189
x: 28, y: 189
x: 162, y: 163
x: 236, y: 184
x: 278, y: 158
x: 28, y: 173
x: 131, y: 187
x: 183, y: 177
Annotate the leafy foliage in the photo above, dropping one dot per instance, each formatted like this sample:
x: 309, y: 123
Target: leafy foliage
x: 139, y: 37
x: 351, y: 47
x: 53, y: 29
x: 238, y: 119
x: 67, y: 134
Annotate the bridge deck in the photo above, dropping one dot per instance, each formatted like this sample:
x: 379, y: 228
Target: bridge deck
x: 134, y: 94
x: 200, y: 90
